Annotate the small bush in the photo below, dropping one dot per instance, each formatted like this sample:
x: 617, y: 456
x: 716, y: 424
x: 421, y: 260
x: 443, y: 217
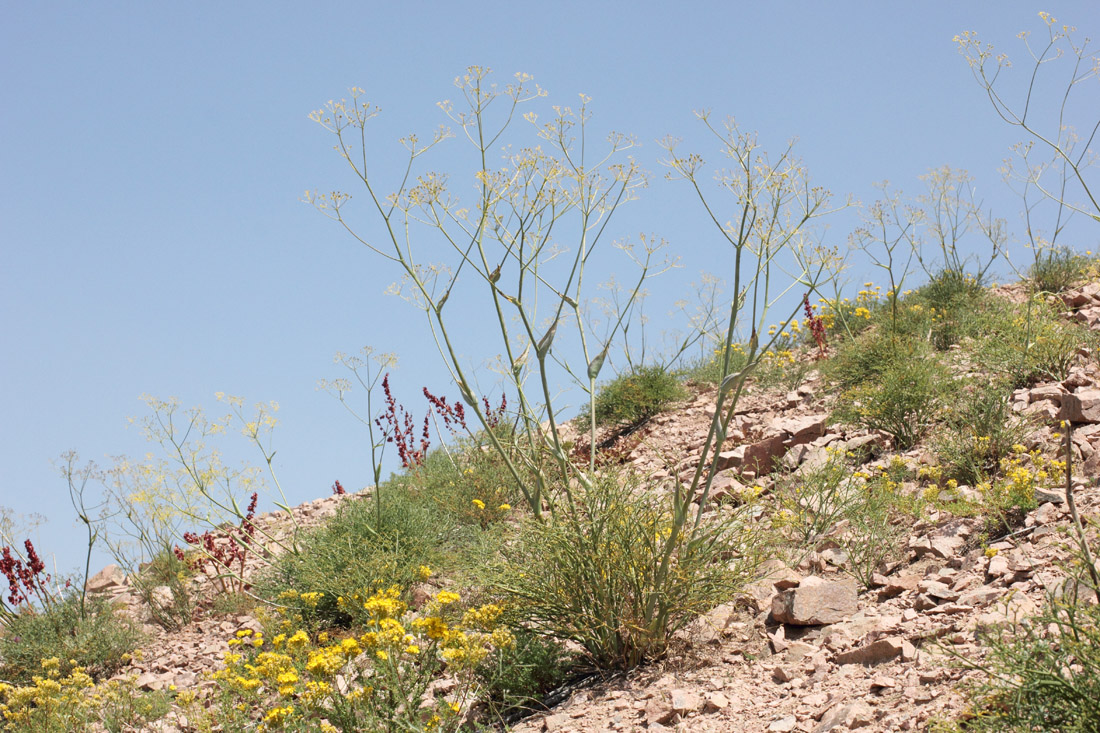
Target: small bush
x: 163, y: 585
x: 877, y: 528
x: 359, y: 551
x: 1029, y: 343
x: 903, y: 401
x: 56, y: 702
x: 631, y: 399
x: 595, y: 576
x: 99, y: 642
x: 866, y: 358
x: 978, y: 434
x: 1007, y: 500
x: 814, y: 500
x: 377, y: 680
x: 467, y: 485
x: 711, y: 369
x: 1057, y: 270
x: 1040, y: 674
x: 515, y: 679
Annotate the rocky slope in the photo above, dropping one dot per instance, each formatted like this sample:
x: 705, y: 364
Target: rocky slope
x: 804, y: 649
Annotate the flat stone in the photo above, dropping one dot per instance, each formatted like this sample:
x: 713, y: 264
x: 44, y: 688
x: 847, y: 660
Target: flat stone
x: 816, y: 602
x: 685, y: 701
x: 800, y: 428
x: 876, y: 652
x: 556, y: 722
x: 762, y: 455
x: 783, y: 725
x: 856, y: 715
x: 1081, y: 406
x: 106, y: 579
x: 896, y: 586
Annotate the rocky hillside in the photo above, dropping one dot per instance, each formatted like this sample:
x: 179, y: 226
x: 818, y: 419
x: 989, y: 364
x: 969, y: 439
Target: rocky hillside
x: 806, y: 648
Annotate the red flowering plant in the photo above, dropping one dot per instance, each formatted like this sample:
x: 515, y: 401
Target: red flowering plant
x: 222, y: 556
x: 816, y: 324
x: 28, y: 583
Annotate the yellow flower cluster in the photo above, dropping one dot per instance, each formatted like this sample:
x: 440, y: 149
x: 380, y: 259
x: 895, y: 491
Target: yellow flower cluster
x: 308, y: 679
x: 73, y: 701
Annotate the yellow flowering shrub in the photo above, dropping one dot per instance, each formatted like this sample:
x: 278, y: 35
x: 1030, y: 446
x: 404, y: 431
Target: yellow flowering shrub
x: 55, y: 702
x: 375, y: 680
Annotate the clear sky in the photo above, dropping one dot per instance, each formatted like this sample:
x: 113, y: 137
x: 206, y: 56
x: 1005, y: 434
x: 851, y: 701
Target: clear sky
x: 154, y: 156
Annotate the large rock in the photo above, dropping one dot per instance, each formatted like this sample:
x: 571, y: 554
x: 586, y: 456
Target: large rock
x: 762, y: 455
x: 759, y: 457
x: 816, y: 602
x: 800, y: 428
x: 1081, y: 406
x: 876, y: 652
x: 106, y: 579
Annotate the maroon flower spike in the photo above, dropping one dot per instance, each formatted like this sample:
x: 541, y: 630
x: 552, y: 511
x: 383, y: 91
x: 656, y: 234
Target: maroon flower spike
x: 817, y: 326
x: 401, y: 430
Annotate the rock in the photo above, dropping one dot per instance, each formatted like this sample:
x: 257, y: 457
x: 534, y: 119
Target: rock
x: 800, y: 428
x: 1051, y: 392
x: 816, y: 602
x: 685, y: 701
x: 731, y: 458
x: 876, y: 652
x: 938, y: 590
x: 107, y: 578
x: 1048, y: 411
x: 856, y: 715
x: 1081, y: 406
x: 555, y: 722
x: 715, y: 701
x: 783, y: 725
x: 896, y: 586
x: 882, y: 682
x: 762, y: 455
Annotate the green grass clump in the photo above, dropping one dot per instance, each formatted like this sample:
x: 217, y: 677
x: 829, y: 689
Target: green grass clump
x: 904, y: 400
x: 360, y: 550
x: 1057, y: 270
x: 979, y: 433
x: 632, y: 398
x: 515, y: 679
x: 99, y: 641
x: 1040, y: 674
x: 595, y: 575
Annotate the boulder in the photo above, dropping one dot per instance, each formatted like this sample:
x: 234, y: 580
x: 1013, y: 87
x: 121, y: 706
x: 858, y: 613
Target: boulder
x: 1081, y: 406
x: 816, y: 602
x: 106, y: 579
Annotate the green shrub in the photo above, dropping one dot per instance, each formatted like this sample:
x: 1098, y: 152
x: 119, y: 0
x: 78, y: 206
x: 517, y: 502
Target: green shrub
x: 812, y: 501
x: 709, y: 368
x: 979, y: 432
x: 877, y: 528
x: 902, y: 401
x: 515, y: 679
x: 99, y: 642
x: 356, y: 553
x: 632, y: 398
x: 56, y: 702
x: 1039, y: 674
x: 465, y: 484
x: 595, y: 575
x: 1058, y: 269
x: 172, y: 610
x: 867, y: 357
x: 1030, y: 343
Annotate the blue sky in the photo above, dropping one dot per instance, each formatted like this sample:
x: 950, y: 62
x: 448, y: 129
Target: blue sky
x: 154, y: 158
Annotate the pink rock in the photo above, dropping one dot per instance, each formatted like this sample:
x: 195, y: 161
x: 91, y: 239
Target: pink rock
x: 1081, y: 406
x: 816, y: 602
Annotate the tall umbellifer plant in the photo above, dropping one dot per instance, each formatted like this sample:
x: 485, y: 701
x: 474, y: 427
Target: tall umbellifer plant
x: 524, y: 250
